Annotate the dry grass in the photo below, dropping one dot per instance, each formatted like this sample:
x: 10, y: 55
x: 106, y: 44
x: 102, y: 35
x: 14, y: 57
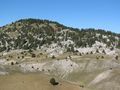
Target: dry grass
x: 33, y: 82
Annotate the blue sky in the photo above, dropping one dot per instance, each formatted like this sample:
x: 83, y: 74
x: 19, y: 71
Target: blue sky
x: 103, y: 14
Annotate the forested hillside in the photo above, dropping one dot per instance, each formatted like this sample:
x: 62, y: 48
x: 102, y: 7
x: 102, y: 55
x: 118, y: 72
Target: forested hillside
x: 34, y: 33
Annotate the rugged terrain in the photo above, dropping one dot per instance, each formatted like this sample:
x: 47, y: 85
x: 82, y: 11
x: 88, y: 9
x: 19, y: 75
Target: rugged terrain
x: 86, y: 57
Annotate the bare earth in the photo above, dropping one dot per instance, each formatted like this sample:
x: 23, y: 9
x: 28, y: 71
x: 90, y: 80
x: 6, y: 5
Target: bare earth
x: 33, y: 82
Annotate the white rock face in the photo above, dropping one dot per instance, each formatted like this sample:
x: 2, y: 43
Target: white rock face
x: 67, y: 42
x: 85, y: 50
x: 55, y: 49
x: 98, y: 45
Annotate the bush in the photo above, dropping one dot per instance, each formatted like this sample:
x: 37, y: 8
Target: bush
x: 16, y: 63
x: 33, y: 55
x: 103, y: 52
x: 53, y: 82
x: 41, y: 53
x: 53, y: 57
x: 22, y: 57
x: 18, y: 57
x: 80, y: 54
x: 116, y: 57
x: 12, y: 63
x: 102, y: 57
x: 91, y: 52
x: 30, y: 50
x: 87, y: 53
x: 97, y: 57
x: 97, y: 51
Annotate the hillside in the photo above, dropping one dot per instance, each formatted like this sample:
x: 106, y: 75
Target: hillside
x: 34, y: 48
x: 34, y: 82
x: 32, y: 34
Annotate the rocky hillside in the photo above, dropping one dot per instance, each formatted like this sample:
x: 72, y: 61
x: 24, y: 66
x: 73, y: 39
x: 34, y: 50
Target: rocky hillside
x: 55, y: 38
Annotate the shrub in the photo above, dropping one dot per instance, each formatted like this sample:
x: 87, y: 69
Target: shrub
x: 102, y: 57
x: 43, y: 70
x: 12, y: 63
x: 103, y: 52
x: 87, y: 53
x: 18, y: 57
x: 53, y: 82
x: 82, y: 86
x: 97, y: 51
x: 91, y: 52
x: 97, y: 57
x: 80, y: 54
x: 41, y: 53
x: 53, y: 57
x: 30, y: 50
x: 116, y: 57
x: 33, y: 55
x: 16, y: 63
x: 33, y: 67
x: 22, y: 57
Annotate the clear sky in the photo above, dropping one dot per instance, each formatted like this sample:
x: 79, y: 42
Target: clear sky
x: 103, y: 14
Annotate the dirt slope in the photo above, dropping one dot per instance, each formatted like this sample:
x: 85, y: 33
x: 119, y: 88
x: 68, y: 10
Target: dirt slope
x: 33, y: 82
